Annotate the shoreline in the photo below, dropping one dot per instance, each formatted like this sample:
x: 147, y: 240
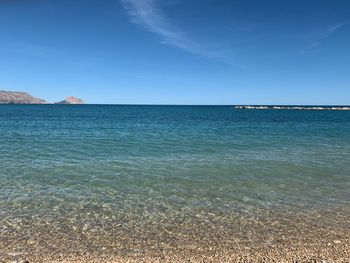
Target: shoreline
x: 280, y: 255
x: 315, y: 236
x: 336, y: 251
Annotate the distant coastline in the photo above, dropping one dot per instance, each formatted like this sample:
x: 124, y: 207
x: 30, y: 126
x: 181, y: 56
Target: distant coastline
x: 19, y: 97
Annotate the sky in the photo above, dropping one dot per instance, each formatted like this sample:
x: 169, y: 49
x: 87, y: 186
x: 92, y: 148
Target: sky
x: 178, y: 51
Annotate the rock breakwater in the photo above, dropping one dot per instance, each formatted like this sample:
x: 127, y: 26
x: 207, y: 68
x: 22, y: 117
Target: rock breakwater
x: 263, y: 107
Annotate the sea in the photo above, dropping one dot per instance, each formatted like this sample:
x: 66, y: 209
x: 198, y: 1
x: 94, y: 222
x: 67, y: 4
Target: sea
x: 129, y: 179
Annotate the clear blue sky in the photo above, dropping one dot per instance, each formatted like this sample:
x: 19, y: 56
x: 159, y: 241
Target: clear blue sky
x: 178, y: 51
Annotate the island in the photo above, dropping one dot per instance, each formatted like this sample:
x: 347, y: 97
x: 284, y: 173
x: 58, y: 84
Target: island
x: 71, y: 100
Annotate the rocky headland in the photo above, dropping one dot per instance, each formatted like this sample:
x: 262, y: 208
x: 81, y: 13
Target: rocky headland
x: 16, y: 97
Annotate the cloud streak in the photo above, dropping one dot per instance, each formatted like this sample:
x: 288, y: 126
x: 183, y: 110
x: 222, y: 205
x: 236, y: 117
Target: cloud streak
x: 147, y: 14
x: 327, y: 33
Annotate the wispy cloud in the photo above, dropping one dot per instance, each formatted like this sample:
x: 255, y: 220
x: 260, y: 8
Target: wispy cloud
x: 327, y: 33
x: 336, y: 27
x: 147, y: 14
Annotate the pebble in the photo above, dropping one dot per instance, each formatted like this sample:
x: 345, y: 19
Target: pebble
x: 336, y: 241
x: 31, y: 242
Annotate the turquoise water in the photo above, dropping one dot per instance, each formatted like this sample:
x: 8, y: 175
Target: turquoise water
x: 92, y: 167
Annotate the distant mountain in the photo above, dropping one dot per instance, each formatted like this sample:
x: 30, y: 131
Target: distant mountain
x: 71, y: 100
x: 14, y: 97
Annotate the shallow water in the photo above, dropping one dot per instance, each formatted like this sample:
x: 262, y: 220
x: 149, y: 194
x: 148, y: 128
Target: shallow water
x: 136, y: 170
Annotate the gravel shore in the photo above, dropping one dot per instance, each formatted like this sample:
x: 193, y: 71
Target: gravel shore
x: 308, y: 238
